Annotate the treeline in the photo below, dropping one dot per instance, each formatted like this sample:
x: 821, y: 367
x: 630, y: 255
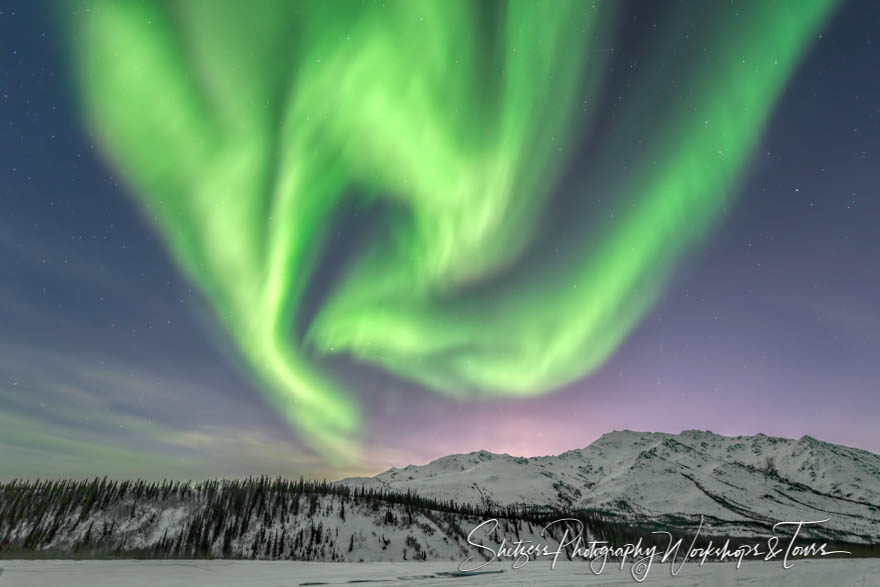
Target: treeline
x: 267, y: 518
x: 242, y: 498
x: 257, y: 517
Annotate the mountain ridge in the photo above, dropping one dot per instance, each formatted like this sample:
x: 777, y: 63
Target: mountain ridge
x: 740, y: 484
x: 622, y: 487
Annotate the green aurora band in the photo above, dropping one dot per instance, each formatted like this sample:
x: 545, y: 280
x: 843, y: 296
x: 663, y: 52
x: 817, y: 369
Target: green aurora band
x: 243, y: 128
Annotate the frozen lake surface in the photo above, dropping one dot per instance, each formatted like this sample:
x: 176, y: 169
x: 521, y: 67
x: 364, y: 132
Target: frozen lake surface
x: 218, y: 573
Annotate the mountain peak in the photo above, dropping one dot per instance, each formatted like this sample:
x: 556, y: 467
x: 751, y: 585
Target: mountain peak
x: 698, y: 433
x: 632, y: 474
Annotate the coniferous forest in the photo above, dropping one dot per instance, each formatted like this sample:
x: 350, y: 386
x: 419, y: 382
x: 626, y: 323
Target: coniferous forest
x: 254, y: 518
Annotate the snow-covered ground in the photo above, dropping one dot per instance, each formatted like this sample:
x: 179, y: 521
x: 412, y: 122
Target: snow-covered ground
x: 805, y: 573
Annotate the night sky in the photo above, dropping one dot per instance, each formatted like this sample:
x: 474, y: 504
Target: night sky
x: 113, y: 360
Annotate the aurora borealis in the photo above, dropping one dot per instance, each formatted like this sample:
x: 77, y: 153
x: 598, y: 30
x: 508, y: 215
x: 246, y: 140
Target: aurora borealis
x: 331, y: 237
x: 252, y: 126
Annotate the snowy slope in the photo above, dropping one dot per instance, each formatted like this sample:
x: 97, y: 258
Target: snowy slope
x: 741, y: 484
x: 298, y: 527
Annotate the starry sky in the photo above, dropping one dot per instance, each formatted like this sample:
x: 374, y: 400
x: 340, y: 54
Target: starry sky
x: 127, y: 353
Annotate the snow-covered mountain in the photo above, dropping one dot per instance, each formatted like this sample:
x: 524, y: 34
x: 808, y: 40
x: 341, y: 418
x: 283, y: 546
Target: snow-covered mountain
x: 742, y: 485
x: 622, y: 486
